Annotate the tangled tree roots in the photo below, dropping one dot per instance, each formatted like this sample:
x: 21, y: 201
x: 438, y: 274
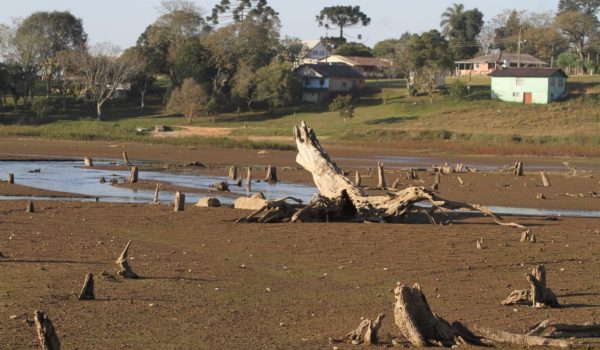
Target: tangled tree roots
x: 342, y: 200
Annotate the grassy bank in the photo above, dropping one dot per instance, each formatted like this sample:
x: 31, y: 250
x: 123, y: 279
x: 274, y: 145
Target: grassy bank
x: 385, y: 116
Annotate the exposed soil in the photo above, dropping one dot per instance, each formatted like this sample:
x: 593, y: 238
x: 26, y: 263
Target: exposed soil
x: 208, y: 283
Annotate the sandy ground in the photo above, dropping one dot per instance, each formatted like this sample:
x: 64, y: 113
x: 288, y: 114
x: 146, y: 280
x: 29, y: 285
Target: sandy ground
x: 7, y: 189
x: 209, y: 283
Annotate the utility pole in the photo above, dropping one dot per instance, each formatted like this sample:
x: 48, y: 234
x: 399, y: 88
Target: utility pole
x: 519, y: 50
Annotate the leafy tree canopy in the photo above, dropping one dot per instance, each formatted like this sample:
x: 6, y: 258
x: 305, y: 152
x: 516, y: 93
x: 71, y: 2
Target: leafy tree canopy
x: 342, y: 17
x: 354, y: 49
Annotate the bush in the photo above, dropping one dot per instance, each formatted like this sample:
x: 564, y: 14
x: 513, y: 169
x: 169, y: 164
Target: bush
x: 343, y: 105
x: 457, y: 90
x: 42, y: 107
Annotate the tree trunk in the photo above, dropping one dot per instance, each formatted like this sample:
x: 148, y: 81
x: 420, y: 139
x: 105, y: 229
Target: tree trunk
x: 232, y: 173
x: 126, y: 159
x: 143, y: 100
x: 30, y: 208
x: 156, y: 191
x: 99, y: 110
x: 45, y: 332
x: 357, y: 179
x: 518, y: 168
x: 542, y: 296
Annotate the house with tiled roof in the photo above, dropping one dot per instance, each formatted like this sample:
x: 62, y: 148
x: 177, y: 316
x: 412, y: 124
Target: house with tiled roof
x: 370, y: 67
x: 314, y: 50
x: 484, y: 65
x: 529, y: 85
x: 322, y: 81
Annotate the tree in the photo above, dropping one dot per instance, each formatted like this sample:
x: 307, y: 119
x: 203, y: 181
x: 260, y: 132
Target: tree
x: 588, y: 7
x: 142, y: 81
x: 569, y: 62
x: 342, y: 17
x: 244, y: 84
x: 450, y: 17
x: 276, y: 84
x: 464, y: 32
x: 189, y: 99
x: 102, y: 72
x: 192, y: 60
x: 429, y: 60
x: 256, y: 9
x: 354, y: 49
x: 398, y: 51
x: 578, y: 28
x: 343, y: 105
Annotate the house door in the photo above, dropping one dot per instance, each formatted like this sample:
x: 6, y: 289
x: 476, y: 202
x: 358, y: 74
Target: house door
x: 528, y: 98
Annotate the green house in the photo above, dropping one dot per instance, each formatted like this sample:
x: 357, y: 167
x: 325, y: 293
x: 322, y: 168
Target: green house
x: 529, y: 85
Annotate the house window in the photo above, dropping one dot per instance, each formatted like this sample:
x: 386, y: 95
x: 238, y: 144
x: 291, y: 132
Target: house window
x: 552, y: 81
x: 520, y: 81
x: 516, y: 94
x: 476, y: 65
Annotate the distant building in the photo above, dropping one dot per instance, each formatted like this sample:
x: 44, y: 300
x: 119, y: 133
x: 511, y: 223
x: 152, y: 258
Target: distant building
x: 370, y: 67
x: 321, y: 81
x: 314, y: 50
x: 484, y: 65
x: 529, y: 85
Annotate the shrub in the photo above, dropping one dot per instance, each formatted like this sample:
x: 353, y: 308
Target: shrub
x: 343, y: 105
x: 457, y: 90
x: 42, y: 107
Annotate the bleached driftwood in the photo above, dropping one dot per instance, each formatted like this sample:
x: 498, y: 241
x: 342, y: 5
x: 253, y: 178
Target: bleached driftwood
x: 87, y: 292
x: 538, y: 295
x: 545, y: 180
x: 45, y: 331
x: 380, y: 176
x: 273, y: 211
x: 123, y: 263
x: 156, y: 192
x: 521, y: 339
x: 411, y: 174
x: 366, y: 332
x: 249, y: 180
x: 357, y: 179
x: 547, y: 328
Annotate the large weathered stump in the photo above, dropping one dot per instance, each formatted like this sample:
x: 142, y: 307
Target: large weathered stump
x: 179, y: 203
x: 357, y: 179
x: 87, y: 291
x: 538, y: 295
x: 133, y: 176
x: 271, y: 174
x: 45, y: 332
x: 123, y: 263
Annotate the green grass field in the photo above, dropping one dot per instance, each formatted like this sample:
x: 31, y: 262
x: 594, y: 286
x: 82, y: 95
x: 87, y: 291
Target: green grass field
x: 385, y: 116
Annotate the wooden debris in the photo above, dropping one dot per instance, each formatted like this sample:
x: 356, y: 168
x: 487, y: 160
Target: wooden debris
x: 547, y: 328
x: 571, y: 168
x: 381, y: 176
x: 239, y: 182
x: 460, y: 167
x: 460, y: 181
x: 446, y: 169
x: 366, y: 332
x: 88, y: 162
x: 583, y: 195
x: 258, y: 195
x: 208, y: 202
x: 87, y: 292
x: 540, y: 196
x: 233, y: 172
x: 271, y: 176
x: 521, y: 339
x: 411, y: 174
x: 538, y: 295
x: 436, y: 184
x: 528, y: 236
x: 156, y: 193
x: 126, y: 159
x: 249, y: 180
x: 396, y: 184
x: 123, y: 263
x: 480, y: 244
x: 179, y: 203
x: 545, y: 180
x: 133, y: 177
x: 45, y: 331
x: 273, y: 211
x: 518, y: 168
x: 520, y: 296
x: 357, y: 179
x: 421, y: 327
x: 222, y: 186
x: 30, y: 208
x: 11, y: 179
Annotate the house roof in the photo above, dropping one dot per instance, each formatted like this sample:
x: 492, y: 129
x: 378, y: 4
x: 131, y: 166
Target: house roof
x: 505, y: 56
x: 529, y: 73
x: 334, y: 70
x: 310, y: 44
x: 361, y: 61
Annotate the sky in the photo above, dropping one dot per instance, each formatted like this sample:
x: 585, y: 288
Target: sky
x: 122, y: 21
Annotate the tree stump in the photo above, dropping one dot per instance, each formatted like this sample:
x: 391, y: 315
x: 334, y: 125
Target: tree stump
x: 88, y: 162
x: 232, y: 173
x: 133, y: 177
x: 249, y: 180
x: 357, y: 179
x: 420, y: 326
x: 381, y: 176
x: 436, y: 183
x: 271, y: 174
x: 571, y: 167
x: 446, y: 169
x: 222, y: 186
x: 123, y: 263
x: 126, y: 159
x: 540, y: 196
x: 528, y: 236
x: 545, y: 180
x: 411, y: 174
x: 45, y: 332
x: 518, y: 168
x: 30, y: 208
x: 369, y: 327
x: 460, y: 167
x: 542, y: 296
x: 11, y: 178
x: 396, y: 184
x: 156, y: 193
x: 87, y: 292
x: 179, y: 204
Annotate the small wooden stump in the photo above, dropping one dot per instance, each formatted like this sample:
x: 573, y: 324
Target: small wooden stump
x: 411, y: 174
x: 357, y: 178
x: 446, y: 169
x: 233, y: 173
x: 102, y: 180
x: 11, y: 178
x: 460, y: 167
x: 179, y: 204
x: 540, y: 196
x: 249, y: 180
x: 545, y: 180
x: 88, y: 162
x: 123, y: 263
x: 436, y: 184
x: 571, y: 167
x: 133, y: 177
x: 30, y: 208
x: 156, y: 193
x: 528, y: 236
x: 222, y: 186
x: 126, y: 159
x: 45, y: 332
x: 380, y: 176
x: 460, y: 181
x: 538, y: 295
x: 87, y: 292
x: 271, y: 174
x: 518, y: 168
x: 369, y: 327
x: 396, y: 184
